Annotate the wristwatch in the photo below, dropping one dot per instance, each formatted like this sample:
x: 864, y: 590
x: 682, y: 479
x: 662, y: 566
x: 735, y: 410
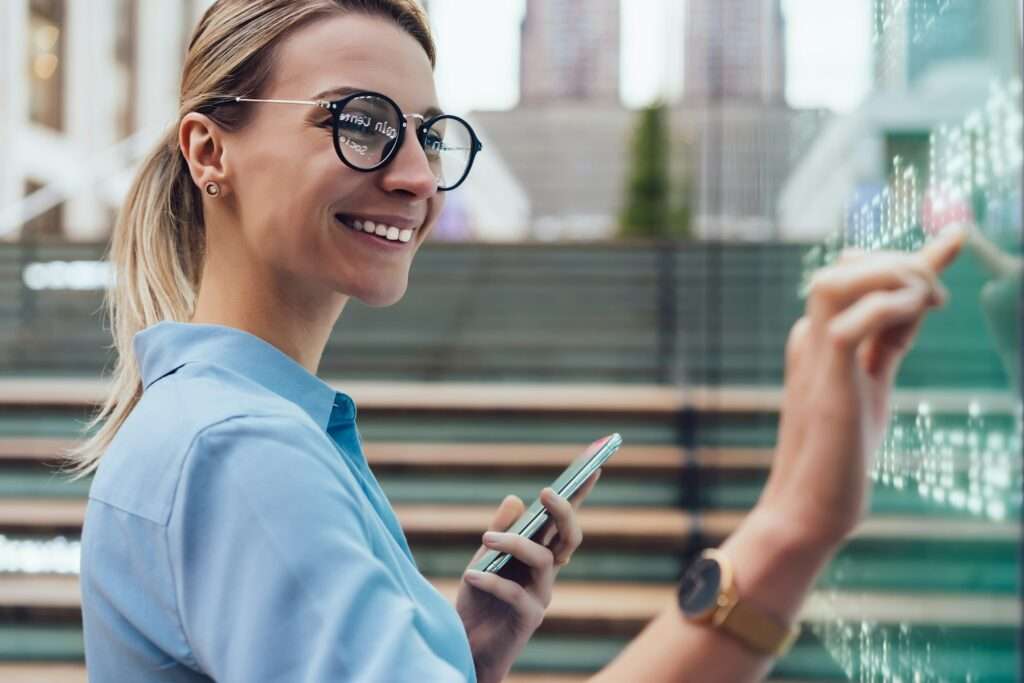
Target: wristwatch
x: 708, y: 595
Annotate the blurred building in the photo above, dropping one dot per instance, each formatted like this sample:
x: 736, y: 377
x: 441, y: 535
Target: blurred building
x: 86, y: 88
x: 735, y: 51
x: 89, y: 85
x: 738, y: 153
x: 734, y: 119
x: 935, y: 64
x: 568, y: 141
x: 571, y: 157
x: 570, y: 50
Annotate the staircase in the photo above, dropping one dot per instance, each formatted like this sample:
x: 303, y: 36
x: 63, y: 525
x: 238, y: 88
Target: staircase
x: 691, y: 464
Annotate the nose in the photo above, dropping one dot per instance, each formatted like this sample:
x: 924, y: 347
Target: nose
x: 409, y: 171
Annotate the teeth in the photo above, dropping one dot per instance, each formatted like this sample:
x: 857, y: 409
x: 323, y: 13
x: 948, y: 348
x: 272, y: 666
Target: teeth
x: 388, y: 232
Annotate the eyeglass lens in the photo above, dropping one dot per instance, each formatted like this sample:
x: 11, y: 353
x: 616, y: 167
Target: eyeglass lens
x: 367, y: 132
x: 449, y: 145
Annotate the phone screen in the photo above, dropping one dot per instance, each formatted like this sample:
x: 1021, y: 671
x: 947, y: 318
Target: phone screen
x: 567, y: 483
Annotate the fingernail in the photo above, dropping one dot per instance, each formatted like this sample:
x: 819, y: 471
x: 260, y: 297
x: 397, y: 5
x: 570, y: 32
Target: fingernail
x: 491, y: 537
x: 472, y: 575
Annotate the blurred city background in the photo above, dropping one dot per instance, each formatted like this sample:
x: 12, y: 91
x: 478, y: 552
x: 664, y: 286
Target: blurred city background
x: 659, y: 179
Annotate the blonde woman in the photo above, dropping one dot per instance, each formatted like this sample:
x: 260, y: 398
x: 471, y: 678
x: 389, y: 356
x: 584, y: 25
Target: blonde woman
x: 234, y: 531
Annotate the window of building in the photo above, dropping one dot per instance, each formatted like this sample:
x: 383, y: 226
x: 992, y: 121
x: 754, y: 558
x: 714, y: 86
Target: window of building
x: 46, y: 62
x: 125, y: 59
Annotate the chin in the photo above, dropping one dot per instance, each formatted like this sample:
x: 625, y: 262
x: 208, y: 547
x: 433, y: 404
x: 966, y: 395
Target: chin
x: 381, y: 298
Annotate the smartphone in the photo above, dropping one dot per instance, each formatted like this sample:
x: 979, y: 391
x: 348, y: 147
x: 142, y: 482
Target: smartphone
x: 565, y: 485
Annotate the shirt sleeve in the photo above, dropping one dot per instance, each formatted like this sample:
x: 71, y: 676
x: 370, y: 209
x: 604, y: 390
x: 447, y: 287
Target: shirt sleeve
x: 276, y: 580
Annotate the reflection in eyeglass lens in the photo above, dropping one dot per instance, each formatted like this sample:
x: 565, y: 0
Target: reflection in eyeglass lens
x: 367, y: 129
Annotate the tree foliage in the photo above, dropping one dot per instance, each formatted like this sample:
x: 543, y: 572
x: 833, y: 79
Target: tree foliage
x: 652, y: 208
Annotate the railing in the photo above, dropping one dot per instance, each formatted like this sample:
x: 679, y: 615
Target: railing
x: 666, y: 313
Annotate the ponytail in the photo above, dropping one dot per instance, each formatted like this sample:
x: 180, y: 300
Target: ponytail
x: 157, y: 253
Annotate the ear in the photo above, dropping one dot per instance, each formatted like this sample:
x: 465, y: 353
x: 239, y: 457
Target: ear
x: 201, y: 142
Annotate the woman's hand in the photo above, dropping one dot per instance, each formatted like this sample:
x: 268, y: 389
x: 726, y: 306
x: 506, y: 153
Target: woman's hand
x: 501, y: 612
x: 842, y: 356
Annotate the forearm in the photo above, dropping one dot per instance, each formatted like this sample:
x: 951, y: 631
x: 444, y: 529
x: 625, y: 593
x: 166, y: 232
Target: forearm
x: 774, y: 571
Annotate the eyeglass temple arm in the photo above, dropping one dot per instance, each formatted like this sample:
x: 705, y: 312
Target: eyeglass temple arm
x: 319, y: 103
x: 326, y: 105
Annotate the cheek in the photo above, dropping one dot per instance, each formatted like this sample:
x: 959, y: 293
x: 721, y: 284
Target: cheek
x: 289, y: 207
x: 434, y: 212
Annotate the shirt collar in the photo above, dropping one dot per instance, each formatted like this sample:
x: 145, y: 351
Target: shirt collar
x: 167, y: 345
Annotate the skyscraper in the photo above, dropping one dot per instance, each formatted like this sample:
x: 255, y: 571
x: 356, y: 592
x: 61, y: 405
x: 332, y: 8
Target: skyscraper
x: 913, y: 39
x: 734, y: 51
x: 570, y: 50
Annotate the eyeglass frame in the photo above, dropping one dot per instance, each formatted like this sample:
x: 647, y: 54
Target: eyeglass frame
x: 336, y: 106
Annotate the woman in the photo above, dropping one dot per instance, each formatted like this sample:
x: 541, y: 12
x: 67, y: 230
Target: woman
x: 234, y: 531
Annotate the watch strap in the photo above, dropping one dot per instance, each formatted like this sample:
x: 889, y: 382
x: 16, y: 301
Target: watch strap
x: 758, y: 630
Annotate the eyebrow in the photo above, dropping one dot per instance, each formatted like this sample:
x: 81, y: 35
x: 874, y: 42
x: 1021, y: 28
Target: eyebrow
x: 343, y: 90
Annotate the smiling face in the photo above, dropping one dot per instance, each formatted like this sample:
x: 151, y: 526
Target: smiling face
x: 297, y: 202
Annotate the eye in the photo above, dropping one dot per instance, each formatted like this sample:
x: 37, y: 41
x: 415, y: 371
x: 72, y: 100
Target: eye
x: 433, y: 143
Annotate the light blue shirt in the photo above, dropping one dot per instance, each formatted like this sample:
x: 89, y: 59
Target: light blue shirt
x: 234, y: 532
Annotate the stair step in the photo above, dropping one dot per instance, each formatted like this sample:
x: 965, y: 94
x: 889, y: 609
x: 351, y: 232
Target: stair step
x: 650, y: 527
x: 490, y: 397
x: 626, y: 607
x: 472, y: 457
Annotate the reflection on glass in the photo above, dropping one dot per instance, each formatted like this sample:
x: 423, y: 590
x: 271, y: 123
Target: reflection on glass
x: 944, y: 605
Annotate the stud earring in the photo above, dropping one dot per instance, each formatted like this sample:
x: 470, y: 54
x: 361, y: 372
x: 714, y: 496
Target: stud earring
x: 212, y: 189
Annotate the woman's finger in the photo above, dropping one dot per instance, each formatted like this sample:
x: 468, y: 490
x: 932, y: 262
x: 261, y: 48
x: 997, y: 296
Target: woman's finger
x: 838, y: 287
x: 538, y: 560
x: 883, y: 353
x: 506, y: 590
x: 563, y: 514
x: 508, y: 512
x: 505, y: 516
x: 582, y: 492
x: 550, y: 530
x: 527, y: 551
x: 943, y: 250
x: 876, y: 312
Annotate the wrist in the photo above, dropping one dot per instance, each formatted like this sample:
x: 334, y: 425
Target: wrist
x: 489, y: 671
x: 776, y: 564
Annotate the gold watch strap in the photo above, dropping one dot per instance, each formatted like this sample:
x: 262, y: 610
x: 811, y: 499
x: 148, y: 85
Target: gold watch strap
x: 761, y: 632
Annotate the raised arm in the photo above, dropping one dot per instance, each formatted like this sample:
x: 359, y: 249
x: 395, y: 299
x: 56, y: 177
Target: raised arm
x: 841, y: 359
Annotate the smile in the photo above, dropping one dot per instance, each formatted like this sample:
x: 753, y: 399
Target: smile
x: 383, y: 231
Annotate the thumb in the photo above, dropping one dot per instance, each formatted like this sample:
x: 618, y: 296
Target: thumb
x: 508, y: 512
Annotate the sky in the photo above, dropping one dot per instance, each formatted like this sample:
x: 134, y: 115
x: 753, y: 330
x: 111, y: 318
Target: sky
x: 828, y: 46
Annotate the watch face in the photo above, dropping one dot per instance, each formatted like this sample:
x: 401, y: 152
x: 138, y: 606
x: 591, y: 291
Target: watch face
x: 698, y: 588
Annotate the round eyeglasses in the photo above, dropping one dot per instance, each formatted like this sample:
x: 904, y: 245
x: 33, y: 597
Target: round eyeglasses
x: 369, y: 129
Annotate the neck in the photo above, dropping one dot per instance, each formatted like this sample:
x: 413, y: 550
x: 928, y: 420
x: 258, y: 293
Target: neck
x: 298, y: 322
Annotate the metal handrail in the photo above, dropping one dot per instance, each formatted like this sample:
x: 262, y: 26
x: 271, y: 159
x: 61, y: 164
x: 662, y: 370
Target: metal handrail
x: 101, y: 167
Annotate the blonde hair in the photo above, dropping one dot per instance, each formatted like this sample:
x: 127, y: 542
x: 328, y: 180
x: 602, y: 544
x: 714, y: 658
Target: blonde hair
x: 158, y: 242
